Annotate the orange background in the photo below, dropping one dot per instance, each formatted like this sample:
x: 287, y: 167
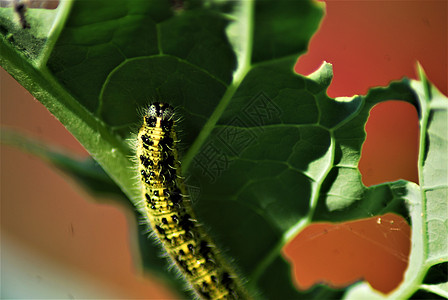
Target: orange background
x: 59, y: 241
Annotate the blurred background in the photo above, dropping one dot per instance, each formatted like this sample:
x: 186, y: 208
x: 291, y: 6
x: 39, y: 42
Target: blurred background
x: 57, y: 241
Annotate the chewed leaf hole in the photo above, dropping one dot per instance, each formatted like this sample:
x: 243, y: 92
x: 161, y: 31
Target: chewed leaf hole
x: 374, y: 249
x: 390, y: 151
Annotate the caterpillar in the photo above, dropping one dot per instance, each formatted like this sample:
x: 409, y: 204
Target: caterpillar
x: 170, y: 212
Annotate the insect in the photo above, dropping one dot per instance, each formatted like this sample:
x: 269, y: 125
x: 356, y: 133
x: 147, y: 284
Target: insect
x: 20, y: 9
x: 170, y: 212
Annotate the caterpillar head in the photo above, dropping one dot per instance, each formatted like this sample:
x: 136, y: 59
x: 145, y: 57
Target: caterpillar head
x: 160, y: 115
x: 160, y: 110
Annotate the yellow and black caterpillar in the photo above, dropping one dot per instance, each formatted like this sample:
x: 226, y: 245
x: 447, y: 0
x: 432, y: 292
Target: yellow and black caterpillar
x: 170, y: 212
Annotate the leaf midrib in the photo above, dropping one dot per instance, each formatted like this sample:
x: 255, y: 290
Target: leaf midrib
x: 40, y: 81
x: 244, y: 66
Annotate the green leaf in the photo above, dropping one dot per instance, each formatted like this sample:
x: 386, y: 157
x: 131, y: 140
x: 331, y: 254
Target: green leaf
x: 427, y: 203
x: 265, y: 151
